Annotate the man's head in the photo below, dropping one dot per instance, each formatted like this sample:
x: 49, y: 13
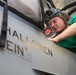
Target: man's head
x: 57, y: 19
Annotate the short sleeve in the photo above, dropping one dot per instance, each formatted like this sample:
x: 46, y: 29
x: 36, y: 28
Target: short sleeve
x: 72, y: 20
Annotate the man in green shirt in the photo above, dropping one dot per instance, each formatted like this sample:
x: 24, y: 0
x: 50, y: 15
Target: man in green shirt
x: 70, y: 41
x: 65, y: 27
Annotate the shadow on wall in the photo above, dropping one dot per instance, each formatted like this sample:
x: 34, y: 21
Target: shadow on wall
x: 38, y: 72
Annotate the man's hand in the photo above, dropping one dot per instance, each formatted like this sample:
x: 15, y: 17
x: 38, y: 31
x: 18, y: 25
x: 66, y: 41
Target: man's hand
x: 68, y: 32
x: 53, y: 39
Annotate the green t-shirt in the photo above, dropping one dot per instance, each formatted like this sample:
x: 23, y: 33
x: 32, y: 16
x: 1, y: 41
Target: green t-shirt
x: 70, y: 43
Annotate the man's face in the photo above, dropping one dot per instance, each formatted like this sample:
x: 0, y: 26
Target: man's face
x: 57, y: 24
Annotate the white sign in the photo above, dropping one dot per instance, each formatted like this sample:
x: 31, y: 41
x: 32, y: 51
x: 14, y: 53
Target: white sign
x: 28, y: 49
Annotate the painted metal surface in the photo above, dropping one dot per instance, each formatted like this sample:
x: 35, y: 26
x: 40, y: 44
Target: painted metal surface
x: 28, y: 49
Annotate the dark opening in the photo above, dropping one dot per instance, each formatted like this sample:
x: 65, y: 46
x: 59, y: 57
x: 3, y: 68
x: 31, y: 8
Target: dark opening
x: 38, y: 72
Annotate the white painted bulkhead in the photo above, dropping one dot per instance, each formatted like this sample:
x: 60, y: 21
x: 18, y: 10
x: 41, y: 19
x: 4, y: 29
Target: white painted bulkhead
x: 28, y: 49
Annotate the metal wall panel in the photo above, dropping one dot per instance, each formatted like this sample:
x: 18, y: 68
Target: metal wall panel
x: 28, y: 50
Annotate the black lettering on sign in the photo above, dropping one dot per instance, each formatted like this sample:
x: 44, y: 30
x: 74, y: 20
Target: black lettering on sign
x: 9, y: 43
x: 21, y: 37
x: 15, y: 34
x: 17, y: 49
x: 20, y: 50
x: 9, y: 30
x: 26, y: 40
